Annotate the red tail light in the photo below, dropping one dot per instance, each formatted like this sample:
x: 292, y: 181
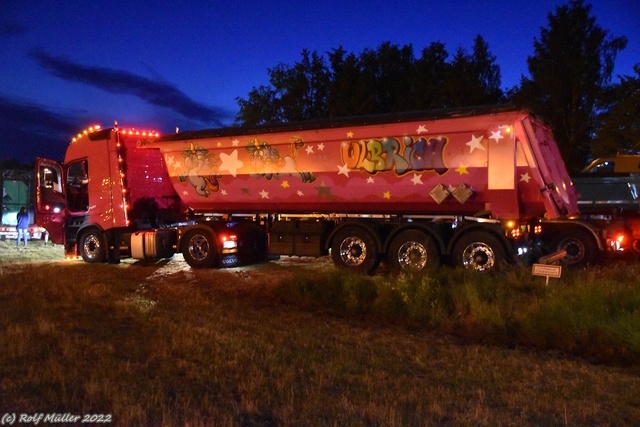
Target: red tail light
x: 229, y: 243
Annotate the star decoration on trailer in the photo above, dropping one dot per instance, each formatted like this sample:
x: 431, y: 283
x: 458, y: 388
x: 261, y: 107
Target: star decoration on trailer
x: 496, y: 135
x: 343, y: 170
x: 172, y: 163
x: 324, y: 191
x: 462, y: 169
x: 231, y: 162
x: 475, y: 143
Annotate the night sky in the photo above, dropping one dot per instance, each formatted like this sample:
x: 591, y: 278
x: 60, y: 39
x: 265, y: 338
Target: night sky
x: 66, y: 65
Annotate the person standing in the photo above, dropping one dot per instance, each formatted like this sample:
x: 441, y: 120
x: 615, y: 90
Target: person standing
x: 23, y: 226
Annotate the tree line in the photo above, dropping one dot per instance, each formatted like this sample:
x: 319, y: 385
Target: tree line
x: 570, y: 85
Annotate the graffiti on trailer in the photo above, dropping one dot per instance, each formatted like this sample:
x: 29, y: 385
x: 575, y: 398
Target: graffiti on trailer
x: 386, y: 154
x: 201, y: 170
x: 267, y: 162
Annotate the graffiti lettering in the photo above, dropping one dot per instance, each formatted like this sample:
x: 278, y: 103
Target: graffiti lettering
x: 426, y: 154
x: 388, y: 154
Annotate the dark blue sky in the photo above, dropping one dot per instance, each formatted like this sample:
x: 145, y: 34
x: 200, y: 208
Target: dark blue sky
x: 65, y: 65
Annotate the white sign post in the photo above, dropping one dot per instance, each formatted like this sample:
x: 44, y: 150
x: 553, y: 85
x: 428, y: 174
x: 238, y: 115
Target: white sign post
x: 554, y: 271
x: 545, y: 269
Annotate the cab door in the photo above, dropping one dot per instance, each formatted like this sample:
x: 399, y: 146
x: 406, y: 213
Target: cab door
x: 51, y: 204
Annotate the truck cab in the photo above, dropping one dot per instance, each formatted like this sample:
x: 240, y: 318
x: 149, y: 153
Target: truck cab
x: 112, y: 199
x: 86, y: 201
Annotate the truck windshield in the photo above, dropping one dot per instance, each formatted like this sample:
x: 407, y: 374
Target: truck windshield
x: 77, y: 186
x: 606, y: 167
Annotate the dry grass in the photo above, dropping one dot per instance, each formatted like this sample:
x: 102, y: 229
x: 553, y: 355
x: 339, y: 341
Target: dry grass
x: 36, y: 250
x: 161, y: 344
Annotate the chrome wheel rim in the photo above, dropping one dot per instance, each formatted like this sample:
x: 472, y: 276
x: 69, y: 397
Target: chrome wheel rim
x: 478, y: 256
x: 91, y: 246
x: 198, y: 247
x: 412, y: 256
x: 353, y: 251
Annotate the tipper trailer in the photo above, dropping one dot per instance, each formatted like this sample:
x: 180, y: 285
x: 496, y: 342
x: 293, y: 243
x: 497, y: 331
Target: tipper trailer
x: 473, y: 187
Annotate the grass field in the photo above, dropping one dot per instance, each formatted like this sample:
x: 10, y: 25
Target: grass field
x: 162, y: 344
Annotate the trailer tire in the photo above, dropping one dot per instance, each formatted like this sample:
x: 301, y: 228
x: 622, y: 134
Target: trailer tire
x: 413, y: 251
x: 93, y: 246
x: 580, y: 246
x: 479, y: 250
x: 353, y: 248
x: 199, y: 248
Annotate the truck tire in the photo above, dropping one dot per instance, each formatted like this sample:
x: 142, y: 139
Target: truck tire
x: 479, y: 250
x: 354, y: 249
x: 580, y: 246
x: 413, y: 251
x: 199, y: 248
x: 93, y: 246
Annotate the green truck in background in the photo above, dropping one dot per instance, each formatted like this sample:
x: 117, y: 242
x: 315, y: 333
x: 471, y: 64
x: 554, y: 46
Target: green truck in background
x: 17, y: 191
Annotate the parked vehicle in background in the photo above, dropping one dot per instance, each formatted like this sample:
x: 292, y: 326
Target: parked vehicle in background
x: 620, y: 164
x: 17, y: 191
x: 609, y: 195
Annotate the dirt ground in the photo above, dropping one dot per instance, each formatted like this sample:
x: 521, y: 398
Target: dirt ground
x: 266, y: 272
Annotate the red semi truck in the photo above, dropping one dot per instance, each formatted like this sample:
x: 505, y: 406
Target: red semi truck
x: 467, y: 187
